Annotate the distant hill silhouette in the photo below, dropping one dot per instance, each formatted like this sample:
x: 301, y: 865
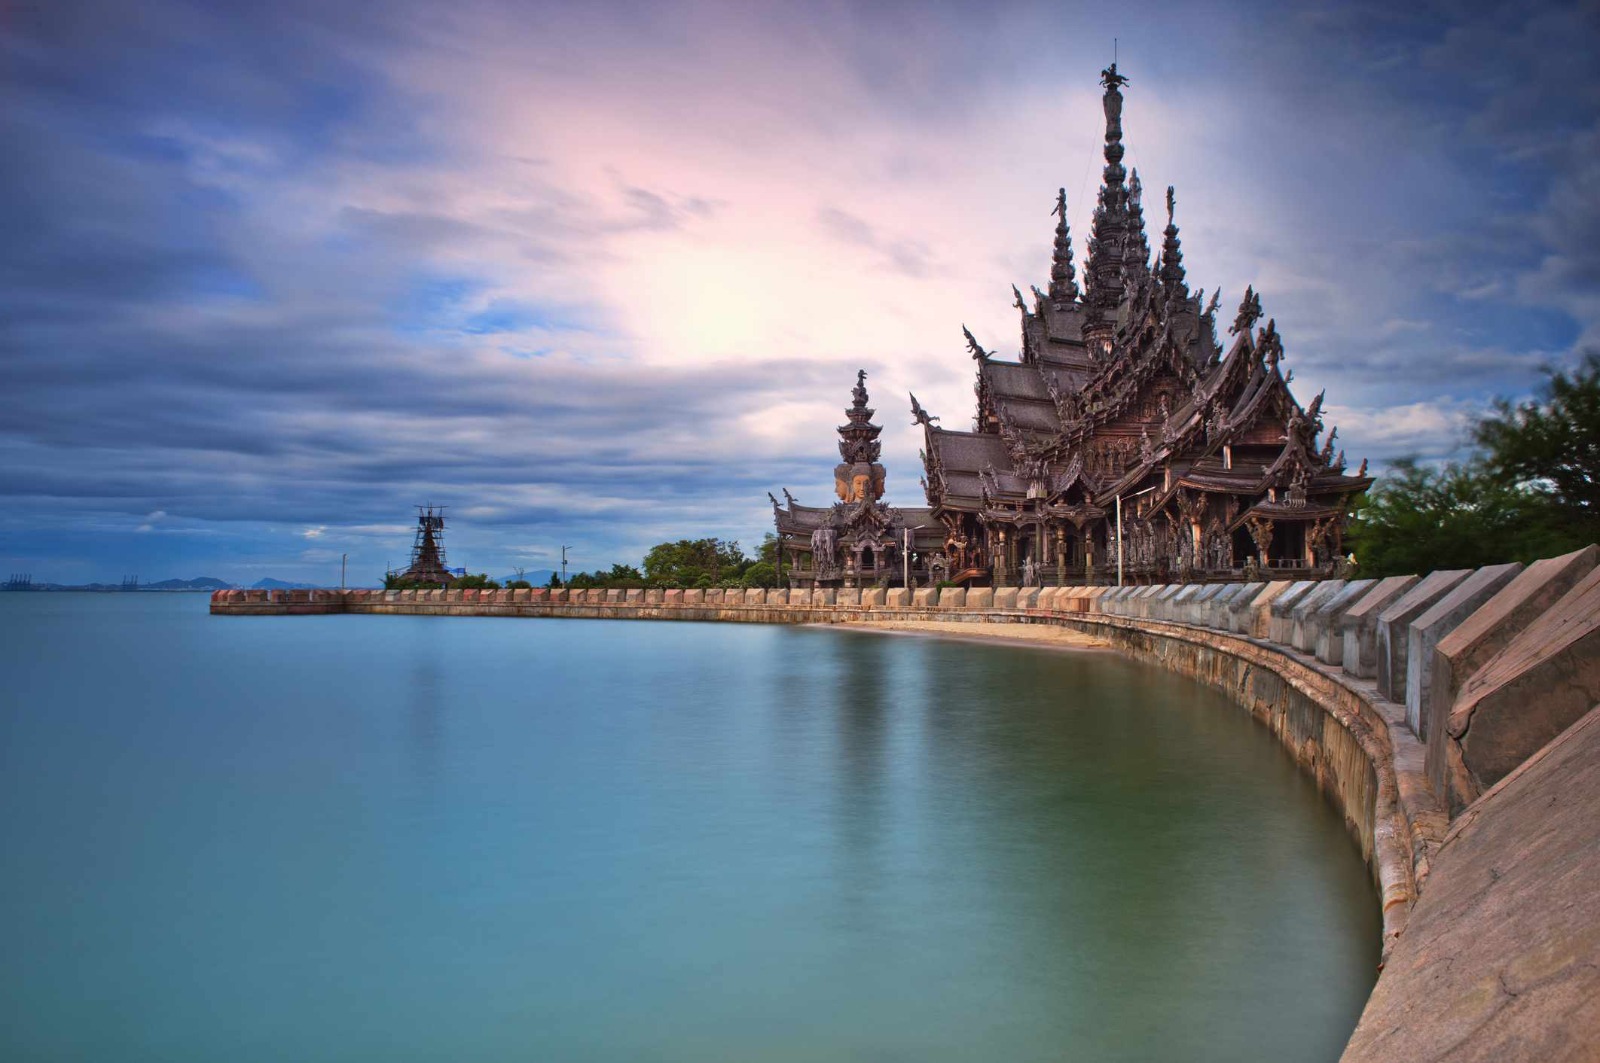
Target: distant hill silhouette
x: 199, y: 583
x: 269, y: 584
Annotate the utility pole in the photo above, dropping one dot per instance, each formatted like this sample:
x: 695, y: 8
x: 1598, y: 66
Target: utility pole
x: 342, y: 559
x: 564, y: 550
x: 1119, y: 540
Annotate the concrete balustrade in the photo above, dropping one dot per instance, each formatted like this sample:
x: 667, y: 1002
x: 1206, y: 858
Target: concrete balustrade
x: 1360, y: 625
x: 1299, y: 630
x: 1323, y: 627
x: 1442, y: 618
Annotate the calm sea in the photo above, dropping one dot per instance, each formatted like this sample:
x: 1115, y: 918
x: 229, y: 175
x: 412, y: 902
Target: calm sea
x: 410, y: 838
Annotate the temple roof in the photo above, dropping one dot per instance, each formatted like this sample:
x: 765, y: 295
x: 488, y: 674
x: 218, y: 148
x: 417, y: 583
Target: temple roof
x: 1125, y: 382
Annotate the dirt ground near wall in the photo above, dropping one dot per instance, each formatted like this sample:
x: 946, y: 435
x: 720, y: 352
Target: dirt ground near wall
x: 1032, y: 634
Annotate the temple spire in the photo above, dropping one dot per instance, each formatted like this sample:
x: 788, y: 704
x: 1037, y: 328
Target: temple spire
x: 1063, y: 278
x: 1108, y: 236
x: 1137, y: 256
x: 859, y: 476
x: 1173, y: 280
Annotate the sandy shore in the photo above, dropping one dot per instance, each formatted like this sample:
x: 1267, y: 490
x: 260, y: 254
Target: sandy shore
x: 1033, y: 634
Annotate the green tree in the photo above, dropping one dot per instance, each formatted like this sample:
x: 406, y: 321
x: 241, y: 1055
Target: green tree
x: 1532, y: 491
x: 768, y: 550
x: 686, y: 562
x: 1550, y: 446
x: 623, y: 576
x: 1417, y: 519
x: 759, y: 574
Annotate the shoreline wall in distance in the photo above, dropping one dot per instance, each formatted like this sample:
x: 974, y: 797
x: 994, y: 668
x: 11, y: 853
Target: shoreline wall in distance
x: 1357, y: 744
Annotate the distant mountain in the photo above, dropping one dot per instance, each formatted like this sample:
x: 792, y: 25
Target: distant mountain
x: 199, y: 583
x: 270, y: 584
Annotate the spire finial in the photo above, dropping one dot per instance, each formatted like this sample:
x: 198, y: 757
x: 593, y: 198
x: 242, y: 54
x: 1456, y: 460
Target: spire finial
x: 1063, y: 277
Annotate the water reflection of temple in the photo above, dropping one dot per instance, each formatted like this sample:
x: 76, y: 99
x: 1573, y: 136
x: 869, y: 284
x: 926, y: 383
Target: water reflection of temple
x: 1124, y: 427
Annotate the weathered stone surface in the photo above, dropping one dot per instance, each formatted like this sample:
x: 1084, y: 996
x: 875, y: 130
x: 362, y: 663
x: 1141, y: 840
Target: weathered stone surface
x: 824, y: 596
x: 694, y: 596
x: 1433, y: 625
x: 1300, y: 615
x: 1326, y: 641
x: 1500, y: 961
x: 925, y: 597
x: 1393, y: 622
x: 952, y: 597
x: 1540, y: 684
x: 1200, y: 609
x: 980, y: 598
x: 1222, y: 605
x: 674, y: 598
x: 897, y: 598
x: 1004, y: 598
x: 1360, y: 625
x: 1167, y: 606
x: 1252, y: 614
x: 873, y: 597
x: 1280, y: 627
x: 1028, y: 598
x: 1488, y: 631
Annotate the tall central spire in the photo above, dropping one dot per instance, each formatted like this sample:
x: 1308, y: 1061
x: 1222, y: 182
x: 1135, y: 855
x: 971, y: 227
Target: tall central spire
x: 1109, y: 235
x: 1063, y: 278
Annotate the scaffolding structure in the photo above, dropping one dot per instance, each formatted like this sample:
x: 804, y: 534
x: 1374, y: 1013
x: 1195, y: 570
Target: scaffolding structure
x: 427, y: 549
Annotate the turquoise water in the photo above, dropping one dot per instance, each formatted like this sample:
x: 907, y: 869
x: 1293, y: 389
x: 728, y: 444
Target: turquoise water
x: 411, y: 838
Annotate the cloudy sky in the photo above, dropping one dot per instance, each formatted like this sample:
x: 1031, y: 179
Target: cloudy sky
x: 601, y: 275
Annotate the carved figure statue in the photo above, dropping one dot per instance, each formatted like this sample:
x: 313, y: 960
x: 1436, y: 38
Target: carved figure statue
x: 919, y: 415
x: 824, y: 542
x: 977, y: 352
x: 1249, y: 312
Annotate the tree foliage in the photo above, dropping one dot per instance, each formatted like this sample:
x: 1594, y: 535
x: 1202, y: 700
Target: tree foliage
x: 1532, y: 491
x: 1551, y: 445
x: 686, y: 562
x: 1417, y: 519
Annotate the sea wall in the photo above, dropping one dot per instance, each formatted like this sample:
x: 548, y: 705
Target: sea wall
x: 1495, y: 665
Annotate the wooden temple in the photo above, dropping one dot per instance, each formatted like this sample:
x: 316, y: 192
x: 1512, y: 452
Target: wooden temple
x: 1126, y: 441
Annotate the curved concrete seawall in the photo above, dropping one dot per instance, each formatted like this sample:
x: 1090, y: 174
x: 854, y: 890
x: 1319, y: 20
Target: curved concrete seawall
x: 1309, y: 661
